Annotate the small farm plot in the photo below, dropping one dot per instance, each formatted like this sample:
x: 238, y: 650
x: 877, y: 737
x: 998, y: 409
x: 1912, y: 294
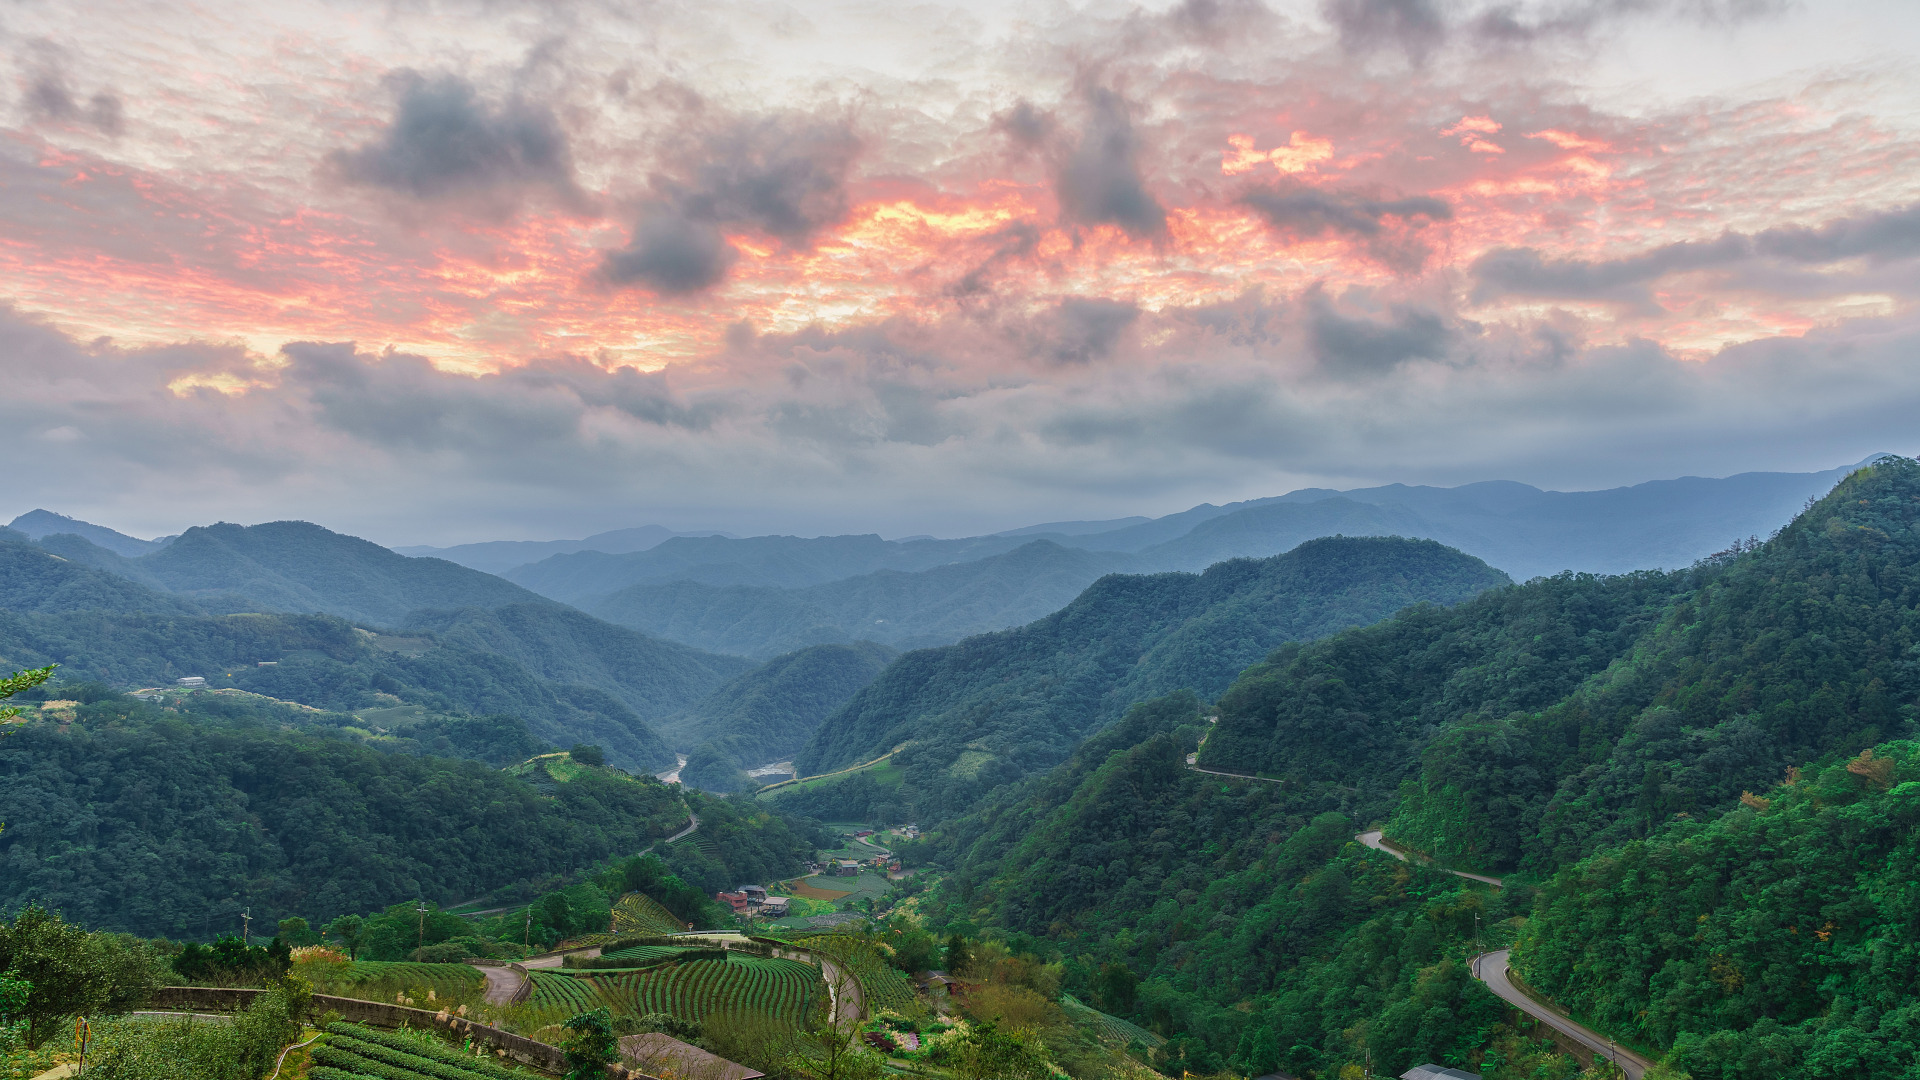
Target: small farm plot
x: 643, y: 954
x: 883, y: 986
x: 350, y: 1051
x: 638, y: 913
x: 782, y: 988
x: 375, y: 980
x: 560, y: 990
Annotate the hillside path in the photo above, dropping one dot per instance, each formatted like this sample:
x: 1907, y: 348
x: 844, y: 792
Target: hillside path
x: 503, y: 983
x: 1492, y: 970
x: 1374, y: 839
x: 693, y: 822
x: 851, y: 1007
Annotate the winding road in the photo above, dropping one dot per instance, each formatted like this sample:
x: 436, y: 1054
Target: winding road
x: 1491, y: 968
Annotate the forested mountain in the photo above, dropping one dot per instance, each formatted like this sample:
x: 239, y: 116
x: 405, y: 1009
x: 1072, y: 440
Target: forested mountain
x: 1000, y: 706
x: 133, y: 818
x: 769, y: 713
x: 494, y: 556
x: 295, y: 566
x: 780, y: 561
x: 1692, y: 768
x: 655, y: 678
x: 37, y: 524
x: 33, y: 579
x: 904, y: 610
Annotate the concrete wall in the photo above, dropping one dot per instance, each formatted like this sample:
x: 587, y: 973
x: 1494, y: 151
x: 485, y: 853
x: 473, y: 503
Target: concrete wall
x: 516, y: 1048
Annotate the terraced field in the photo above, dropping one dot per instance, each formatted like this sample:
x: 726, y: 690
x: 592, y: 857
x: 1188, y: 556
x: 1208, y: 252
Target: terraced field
x: 692, y: 990
x: 352, y: 1052
x: 642, y: 954
x: 1111, y: 1028
x: 882, y: 985
x: 638, y: 913
x: 375, y: 980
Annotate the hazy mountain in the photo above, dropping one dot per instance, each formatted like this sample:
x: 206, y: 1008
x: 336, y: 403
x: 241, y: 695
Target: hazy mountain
x: 999, y: 706
x: 781, y: 561
x: 33, y: 579
x: 39, y: 523
x: 904, y: 610
x: 494, y: 556
x: 769, y: 713
x: 297, y: 566
x: 657, y: 679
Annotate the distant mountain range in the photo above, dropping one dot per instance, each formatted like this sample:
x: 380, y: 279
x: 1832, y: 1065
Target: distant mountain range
x: 766, y: 595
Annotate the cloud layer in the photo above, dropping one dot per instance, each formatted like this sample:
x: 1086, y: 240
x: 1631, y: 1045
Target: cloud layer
x: 504, y: 268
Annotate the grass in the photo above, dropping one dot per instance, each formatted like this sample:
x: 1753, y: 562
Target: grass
x: 427, y: 985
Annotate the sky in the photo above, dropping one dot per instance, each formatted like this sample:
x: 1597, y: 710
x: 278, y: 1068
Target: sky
x: 435, y: 272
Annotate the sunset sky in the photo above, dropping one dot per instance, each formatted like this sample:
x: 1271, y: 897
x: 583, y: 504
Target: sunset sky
x: 431, y: 272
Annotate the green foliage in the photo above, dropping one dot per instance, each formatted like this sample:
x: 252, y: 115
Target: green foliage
x: 245, y: 1048
x: 229, y: 962
x: 71, y: 972
x: 740, y: 841
x: 768, y: 713
x: 998, y: 707
x: 417, y: 1046
x: 591, y: 1046
x: 137, y: 820
x: 710, y: 768
x: 987, y: 1053
x: 19, y: 681
x: 1779, y: 939
x: 691, y: 988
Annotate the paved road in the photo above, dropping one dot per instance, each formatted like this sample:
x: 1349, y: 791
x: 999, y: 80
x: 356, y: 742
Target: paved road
x: 1377, y: 842
x: 1492, y: 970
x: 852, y: 1006
x: 503, y: 983
x: 693, y: 822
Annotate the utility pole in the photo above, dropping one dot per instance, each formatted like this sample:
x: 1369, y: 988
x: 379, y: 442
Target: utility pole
x: 526, y: 932
x: 246, y: 926
x: 1476, y: 931
x: 421, y: 907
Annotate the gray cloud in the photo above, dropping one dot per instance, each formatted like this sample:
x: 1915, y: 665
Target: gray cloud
x: 1418, y: 28
x: 784, y: 177
x: 445, y: 142
x: 1523, y: 272
x: 1099, y: 182
x: 1304, y: 212
x: 1363, y: 346
x: 51, y: 98
x: 1082, y: 329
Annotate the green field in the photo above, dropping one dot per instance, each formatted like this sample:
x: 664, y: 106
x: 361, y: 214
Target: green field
x: 350, y: 1051
x: 883, y: 986
x: 882, y: 769
x: 638, y: 913
x: 374, y: 980
x: 692, y: 991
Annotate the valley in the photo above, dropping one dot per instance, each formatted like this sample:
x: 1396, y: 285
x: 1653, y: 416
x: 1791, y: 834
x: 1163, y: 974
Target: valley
x: 1365, y: 800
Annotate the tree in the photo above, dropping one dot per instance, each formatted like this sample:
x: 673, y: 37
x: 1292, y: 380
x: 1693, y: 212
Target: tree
x: 22, y: 680
x: 825, y: 1047
x: 350, y: 932
x: 958, y: 954
x: 991, y: 1054
x: 69, y: 971
x: 591, y: 1046
x: 587, y: 754
x: 296, y: 933
x: 1116, y: 987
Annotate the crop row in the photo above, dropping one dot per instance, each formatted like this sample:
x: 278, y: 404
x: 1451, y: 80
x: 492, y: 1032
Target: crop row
x: 692, y: 991
x: 433, y: 1051
x: 448, y: 977
x: 637, y: 912
x: 881, y: 984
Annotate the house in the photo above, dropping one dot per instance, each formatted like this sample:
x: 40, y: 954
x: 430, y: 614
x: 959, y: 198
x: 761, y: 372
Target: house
x: 1437, y: 1072
x: 738, y: 901
x: 845, y: 868
x: 774, y: 907
x: 755, y: 893
x: 191, y: 680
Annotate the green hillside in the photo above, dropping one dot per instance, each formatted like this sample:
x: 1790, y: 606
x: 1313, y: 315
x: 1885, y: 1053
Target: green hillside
x: 1687, y: 778
x: 769, y: 713
x: 906, y: 610
x: 129, y: 816
x: 300, y: 567
x: 997, y: 707
x: 33, y: 579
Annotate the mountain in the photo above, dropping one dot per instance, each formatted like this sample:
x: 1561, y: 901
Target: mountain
x: 1699, y: 785
x: 43, y: 523
x: 654, y: 678
x: 781, y: 561
x: 33, y: 579
x: 297, y: 566
x: 769, y: 713
x: 1272, y: 527
x: 997, y: 707
x: 155, y: 821
x: 496, y: 556
x: 904, y: 610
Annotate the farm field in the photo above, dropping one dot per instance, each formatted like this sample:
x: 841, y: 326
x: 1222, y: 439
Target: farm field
x: 883, y: 986
x: 375, y: 980
x: 693, y: 990
x: 350, y: 1051
x: 638, y: 913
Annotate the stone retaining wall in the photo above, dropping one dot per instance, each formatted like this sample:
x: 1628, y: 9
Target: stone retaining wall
x: 517, y: 1048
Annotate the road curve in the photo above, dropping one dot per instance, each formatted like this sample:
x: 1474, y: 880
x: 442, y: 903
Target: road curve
x: 693, y: 822
x: 1492, y: 970
x: 1374, y: 839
